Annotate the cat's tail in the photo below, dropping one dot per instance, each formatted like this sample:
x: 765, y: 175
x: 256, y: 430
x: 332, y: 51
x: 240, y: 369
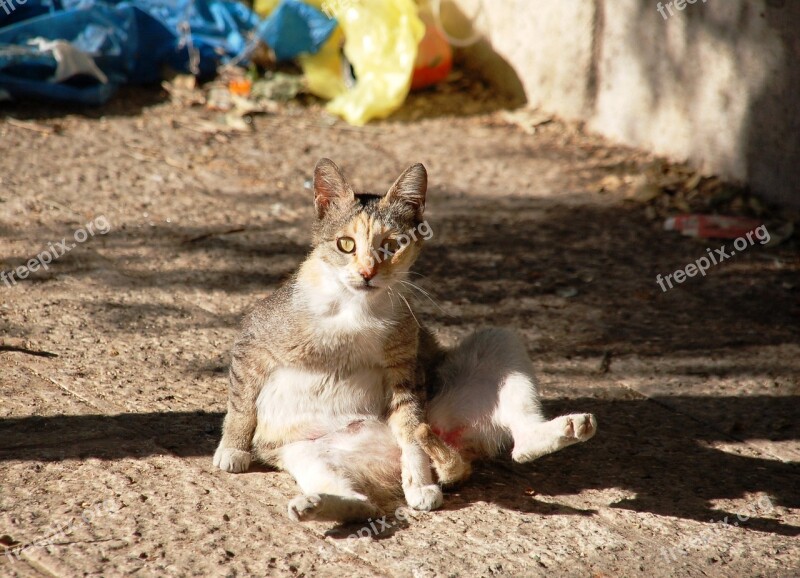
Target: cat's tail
x: 450, y: 466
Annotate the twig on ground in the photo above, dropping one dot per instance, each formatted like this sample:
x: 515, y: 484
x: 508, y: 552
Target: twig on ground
x: 36, y: 127
x: 215, y: 234
x: 27, y: 351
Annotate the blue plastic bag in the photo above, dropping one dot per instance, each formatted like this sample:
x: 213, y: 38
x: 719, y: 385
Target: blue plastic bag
x: 130, y: 41
x: 295, y: 28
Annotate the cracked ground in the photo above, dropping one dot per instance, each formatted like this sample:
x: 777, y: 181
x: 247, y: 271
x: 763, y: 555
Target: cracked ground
x: 113, y: 360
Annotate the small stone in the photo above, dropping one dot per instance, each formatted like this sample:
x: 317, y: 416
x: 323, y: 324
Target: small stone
x: 567, y: 292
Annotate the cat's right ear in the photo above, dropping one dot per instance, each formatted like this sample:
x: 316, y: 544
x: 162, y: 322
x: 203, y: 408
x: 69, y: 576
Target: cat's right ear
x: 329, y: 185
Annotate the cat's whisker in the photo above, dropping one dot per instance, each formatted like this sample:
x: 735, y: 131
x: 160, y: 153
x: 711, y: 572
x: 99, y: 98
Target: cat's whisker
x: 391, y: 300
x: 413, y: 273
x: 424, y: 293
x: 410, y: 310
x: 418, y: 288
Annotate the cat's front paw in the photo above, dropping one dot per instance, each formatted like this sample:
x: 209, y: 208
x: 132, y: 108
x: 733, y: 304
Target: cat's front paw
x: 232, y: 460
x: 425, y: 498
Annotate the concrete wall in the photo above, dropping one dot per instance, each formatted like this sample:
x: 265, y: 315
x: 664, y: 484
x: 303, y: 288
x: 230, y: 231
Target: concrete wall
x: 716, y: 83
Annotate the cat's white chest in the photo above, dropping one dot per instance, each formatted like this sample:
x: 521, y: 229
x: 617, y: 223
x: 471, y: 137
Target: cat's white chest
x: 351, y: 324
x: 338, y: 319
x: 298, y: 403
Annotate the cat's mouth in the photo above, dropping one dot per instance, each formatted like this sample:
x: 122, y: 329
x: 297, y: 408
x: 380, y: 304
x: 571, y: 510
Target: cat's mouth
x: 364, y: 288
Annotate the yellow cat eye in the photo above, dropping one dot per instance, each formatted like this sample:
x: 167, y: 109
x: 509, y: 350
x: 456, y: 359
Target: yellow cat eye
x: 346, y: 244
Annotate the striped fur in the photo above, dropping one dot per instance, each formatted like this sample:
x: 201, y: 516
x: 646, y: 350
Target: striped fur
x: 330, y: 375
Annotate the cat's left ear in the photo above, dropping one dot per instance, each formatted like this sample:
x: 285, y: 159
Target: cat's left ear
x: 409, y: 189
x: 329, y: 185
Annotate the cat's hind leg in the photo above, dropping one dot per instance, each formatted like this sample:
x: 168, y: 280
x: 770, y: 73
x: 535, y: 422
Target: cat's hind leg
x: 488, y: 400
x: 341, y: 473
x: 328, y: 495
x: 553, y: 435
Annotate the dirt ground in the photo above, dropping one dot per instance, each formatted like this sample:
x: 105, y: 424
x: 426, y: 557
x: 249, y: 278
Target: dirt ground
x: 113, y: 360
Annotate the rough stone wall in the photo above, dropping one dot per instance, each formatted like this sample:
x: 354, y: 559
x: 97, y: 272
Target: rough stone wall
x: 715, y: 83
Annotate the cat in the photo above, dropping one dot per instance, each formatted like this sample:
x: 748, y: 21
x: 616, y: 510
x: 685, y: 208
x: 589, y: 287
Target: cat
x: 334, y: 380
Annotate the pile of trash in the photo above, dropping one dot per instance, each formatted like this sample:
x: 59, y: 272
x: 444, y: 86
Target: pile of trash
x: 362, y: 56
x: 703, y: 207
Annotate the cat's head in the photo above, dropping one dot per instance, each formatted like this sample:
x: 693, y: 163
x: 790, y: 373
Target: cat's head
x: 366, y: 242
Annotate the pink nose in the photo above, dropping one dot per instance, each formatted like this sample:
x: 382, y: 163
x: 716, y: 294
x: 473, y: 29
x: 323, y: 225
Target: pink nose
x: 368, y: 274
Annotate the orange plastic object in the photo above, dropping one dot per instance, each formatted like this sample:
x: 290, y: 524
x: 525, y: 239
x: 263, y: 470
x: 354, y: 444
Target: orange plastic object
x: 711, y: 226
x: 240, y: 86
x: 434, y: 57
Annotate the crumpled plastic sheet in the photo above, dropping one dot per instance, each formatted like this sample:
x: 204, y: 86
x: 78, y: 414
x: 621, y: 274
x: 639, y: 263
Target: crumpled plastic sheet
x: 130, y: 41
x: 295, y: 28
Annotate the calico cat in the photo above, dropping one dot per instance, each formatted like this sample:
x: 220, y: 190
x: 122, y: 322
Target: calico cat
x: 334, y: 380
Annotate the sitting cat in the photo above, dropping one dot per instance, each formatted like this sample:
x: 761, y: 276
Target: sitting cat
x: 334, y: 380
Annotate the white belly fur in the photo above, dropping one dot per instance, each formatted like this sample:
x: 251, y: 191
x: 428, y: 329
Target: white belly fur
x: 298, y: 404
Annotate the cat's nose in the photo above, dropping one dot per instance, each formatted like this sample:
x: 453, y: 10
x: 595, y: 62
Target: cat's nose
x: 368, y: 273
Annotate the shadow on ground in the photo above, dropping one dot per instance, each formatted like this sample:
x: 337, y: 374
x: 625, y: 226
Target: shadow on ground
x: 583, y: 276
x: 662, y: 457
x: 128, y: 101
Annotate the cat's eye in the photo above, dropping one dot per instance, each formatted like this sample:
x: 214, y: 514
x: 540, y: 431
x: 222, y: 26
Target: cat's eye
x: 346, y: 244
x: 391, y: 245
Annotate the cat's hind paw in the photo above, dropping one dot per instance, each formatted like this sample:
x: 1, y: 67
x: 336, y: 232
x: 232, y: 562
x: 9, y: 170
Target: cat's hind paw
x: 232, y: 460
x: 331, y: 508
x: 425, y: 498
x: 304, y: 508
x: 554, y: 435
x: 579, y: 426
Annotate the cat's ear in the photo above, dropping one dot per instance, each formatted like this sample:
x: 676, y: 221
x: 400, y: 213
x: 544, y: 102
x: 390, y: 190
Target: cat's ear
x: 329, y: 185
x: 409, y: 189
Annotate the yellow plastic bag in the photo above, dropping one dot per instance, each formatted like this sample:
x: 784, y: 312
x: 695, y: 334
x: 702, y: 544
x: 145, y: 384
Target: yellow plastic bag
x: 323, y: 70
x: 264, y: 7
x: 380, y: 41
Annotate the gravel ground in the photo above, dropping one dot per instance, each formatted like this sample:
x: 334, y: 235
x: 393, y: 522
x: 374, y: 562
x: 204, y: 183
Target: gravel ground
x: 113, y: 359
